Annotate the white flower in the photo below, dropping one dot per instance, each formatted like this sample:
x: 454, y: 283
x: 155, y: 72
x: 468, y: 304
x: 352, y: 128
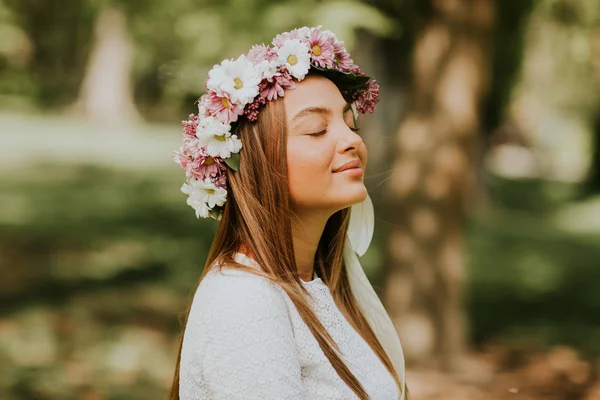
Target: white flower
x: 191, y: 144
x: 203, y: 196
x: 202, y: 112
x: 239, y: 78
x: 327, y: 32
x: 195, y: 200
x: 296, y: 57
x: 304, y: 32
x: 210, y: 126
x: 223, y: 146
x: 267, y: 68
x: 216, y: 138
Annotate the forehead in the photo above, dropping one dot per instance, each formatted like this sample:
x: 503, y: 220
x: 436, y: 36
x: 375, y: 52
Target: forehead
x: 313, y: 91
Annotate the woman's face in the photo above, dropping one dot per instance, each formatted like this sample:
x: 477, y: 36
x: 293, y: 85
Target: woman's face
x: 326, y: 157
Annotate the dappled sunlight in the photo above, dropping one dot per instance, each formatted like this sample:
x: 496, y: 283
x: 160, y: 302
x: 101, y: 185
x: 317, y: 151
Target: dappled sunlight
x: 580, y: 218
x: 484, y: 172
x: 33, y: 140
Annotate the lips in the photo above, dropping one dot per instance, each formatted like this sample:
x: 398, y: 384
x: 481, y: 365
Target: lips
x: 350, y: 165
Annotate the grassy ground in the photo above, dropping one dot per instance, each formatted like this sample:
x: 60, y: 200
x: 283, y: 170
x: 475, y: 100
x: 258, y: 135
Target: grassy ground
x: 99, y: 254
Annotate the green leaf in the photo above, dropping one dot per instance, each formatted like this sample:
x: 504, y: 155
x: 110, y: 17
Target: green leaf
x: 234, y: 162
x: 215, y: 213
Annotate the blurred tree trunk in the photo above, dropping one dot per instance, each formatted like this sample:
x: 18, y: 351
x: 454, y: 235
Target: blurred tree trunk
x: 432, y: 174
x: 59, y: 36
x: 555, y: 103
x: 106, y: 93
x: 594, y: 181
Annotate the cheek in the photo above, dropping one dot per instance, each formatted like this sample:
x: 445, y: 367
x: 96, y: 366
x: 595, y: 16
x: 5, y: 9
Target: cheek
x: 363, y: 155
x: 309, y: 167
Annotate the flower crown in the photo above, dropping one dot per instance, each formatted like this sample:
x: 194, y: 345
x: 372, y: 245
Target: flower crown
x: 240, y: 88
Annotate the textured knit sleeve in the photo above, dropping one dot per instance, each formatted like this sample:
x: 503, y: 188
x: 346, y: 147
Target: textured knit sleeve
x: 239, y: 342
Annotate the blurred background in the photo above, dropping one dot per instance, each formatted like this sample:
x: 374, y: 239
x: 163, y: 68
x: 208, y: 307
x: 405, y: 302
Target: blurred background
x: 484, y: 168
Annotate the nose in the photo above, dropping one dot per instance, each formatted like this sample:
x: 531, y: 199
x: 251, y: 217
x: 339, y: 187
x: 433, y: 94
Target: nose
x: 351, y: 141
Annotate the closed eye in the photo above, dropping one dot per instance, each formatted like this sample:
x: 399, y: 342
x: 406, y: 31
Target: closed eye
x: 324, y: 131
x: 354, y: 129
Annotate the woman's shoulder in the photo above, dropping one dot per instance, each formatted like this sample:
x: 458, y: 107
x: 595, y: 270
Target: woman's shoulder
x: 223, y: 279
x: 226, y: 278
x: 230, y: 291
x: 238, y: 328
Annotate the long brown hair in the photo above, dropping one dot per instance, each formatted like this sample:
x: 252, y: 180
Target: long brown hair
x: 257, y: 217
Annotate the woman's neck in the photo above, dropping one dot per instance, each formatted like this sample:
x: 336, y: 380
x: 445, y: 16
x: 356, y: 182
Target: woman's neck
x: 306, y: 233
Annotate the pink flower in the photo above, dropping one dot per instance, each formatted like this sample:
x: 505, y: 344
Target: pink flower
x: 272, y: 88
x: 298, y: 33
x: 204, y: 166
x: 259, y: 53
x: 183, y: 157
x: 367, y: 100
x: 342, y: 60
x: 282, y: 38
x: 252, y: 109
x: 220, y: 181
x: 202, y: 111
x: 190, y: 147
x: 356, y: 70
x: 322, y: 48
x: 219, y: 104
x: 189, y: 126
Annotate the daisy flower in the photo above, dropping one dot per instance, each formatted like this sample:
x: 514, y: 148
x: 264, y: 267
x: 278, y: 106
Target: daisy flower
x: 203, y: 196
x: 295, y: 56
x: 237, y: 77
x: 202, y: 111
x: 342, y: 60
x: 183, y: 157
x: 273, y: 87
x: 217, y: 139
x: 188, y: 150
x: 242, y: 87
x: 267, y: 69
x: 328, y: 33
x: 259, y: 53
x: 204, y: 166
x: 220, y: 105
x: 298, y: 33
x: 211, y: 126
x: 322, y: 48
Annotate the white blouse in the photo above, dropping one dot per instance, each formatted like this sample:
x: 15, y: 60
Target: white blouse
x: 245, y: 339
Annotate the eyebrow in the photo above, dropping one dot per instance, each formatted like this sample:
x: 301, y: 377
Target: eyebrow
x: 317, y: 110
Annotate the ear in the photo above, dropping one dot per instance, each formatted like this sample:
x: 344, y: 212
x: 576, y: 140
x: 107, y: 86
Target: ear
x: 361, y: 226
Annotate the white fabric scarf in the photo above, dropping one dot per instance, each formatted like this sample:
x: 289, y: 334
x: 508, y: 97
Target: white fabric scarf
x: 360, y: 233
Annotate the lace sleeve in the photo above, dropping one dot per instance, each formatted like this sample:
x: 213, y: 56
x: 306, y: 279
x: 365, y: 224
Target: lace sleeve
x: 239, y: 342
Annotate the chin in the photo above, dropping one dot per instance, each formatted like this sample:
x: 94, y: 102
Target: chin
x: 356, y: 196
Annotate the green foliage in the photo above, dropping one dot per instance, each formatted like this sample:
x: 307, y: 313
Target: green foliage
x: 531, y: 275
x: 177, y: 42
x: 233, y: 162
x: 103, y: 262
x: 60, y: 39
x: 193, y: 38
x: 99, y: 262
x: 507, y: 50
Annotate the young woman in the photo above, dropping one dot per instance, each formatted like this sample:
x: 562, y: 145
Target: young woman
x: 283, y: 309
